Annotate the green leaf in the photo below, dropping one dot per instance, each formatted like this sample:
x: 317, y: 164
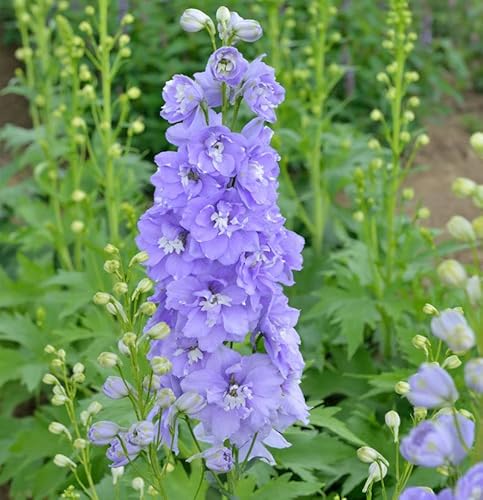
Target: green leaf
x: 283, y: 488
x: 323, y: 417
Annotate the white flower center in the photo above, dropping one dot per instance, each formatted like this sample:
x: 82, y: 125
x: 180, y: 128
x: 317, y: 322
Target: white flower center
x: 236, y: 397
x: 170, y: 246
x: 194, y: 355
x: 476, y: 493
x: 257, y: 170
x: 215, y: 151
x: 214, y: 300
x: 220, y: 222
x: 183, y: 98
x: 225, y: 66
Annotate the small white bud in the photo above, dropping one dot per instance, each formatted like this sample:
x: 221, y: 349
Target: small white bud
x: 161, y: 365
x: 461, y: 229
x: 133, y: 93
x: 402, y: 388
x: 120, y: 288
x: 159, y: 331
x: 78, y: 368
x: 101, y: 298
x: 80, y: 444
x: 452, y: 273
x: 393, y: 421
x: 58, y: 428
x: 94, y: 408
x: 49, y: 379
x: 377, y: 471
x: 463, y: 187
x: 116, y: 472
x: 138, y: 484
x: 139, y: 258
x: 476, y: 142
x: 193, y: 20
x: 420, y: 413
x: 58, y: 400
x: 50, y: 349
x: 111, y: 266
x: 223, y: 15
x: 368, y: 455
x: 451, y: 362
x: 376, y: 115
x: 430, y: 310
x: 108, y: 359
x: 473, y: 289
x: 63, y: 461
x: 77, y: 226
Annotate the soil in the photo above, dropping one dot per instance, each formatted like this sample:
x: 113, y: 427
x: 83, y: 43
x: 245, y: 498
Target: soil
x: 448, y: 156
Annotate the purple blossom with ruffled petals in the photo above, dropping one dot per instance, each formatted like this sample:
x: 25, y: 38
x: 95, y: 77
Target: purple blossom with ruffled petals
x: 228, y: 65
x: 103, y: 432
x: 436, y: 443
x: 116, y: 452
x: 262, y: 93
x: 470, y: 486
x: 182, y: 97
x: 239, y: 390
x: 451, y: 327
x: 217, y: 458
x: 141, y: 433
x: 432, y: 387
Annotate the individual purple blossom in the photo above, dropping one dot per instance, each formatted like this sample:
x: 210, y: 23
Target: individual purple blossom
x: 116, y: 388
x: 422, y: 493
x: 228, y: 65
x: 432, y: 387
x: 237, y: 28
x: 470, y: 486
x: 218, y: 458
x: 103, y: 432
x: 261, y: 92
x: 238, y: 390
x: 451, y: 327
x: 116, y: 452
x: 474, y: 375
x: 182, y: 97
x: 141, y: 433
x: 436, y: 443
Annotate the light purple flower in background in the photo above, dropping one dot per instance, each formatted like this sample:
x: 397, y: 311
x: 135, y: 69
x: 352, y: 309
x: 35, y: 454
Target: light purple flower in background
x: 182, y: 97
x: 239, y: 390
x: 418, y: 493
x: 432, y: 387
x: 470, y: 486
x: 262, y: 93
x: 228, y: 65
x: 435, y: 443
x: 116, y: 388
x: 141, y: 433
x: 237, y: 28
x: 474, y: 375
x: 103, y: 432
x: 116, y: 452
x: 217, y: 458
x: 452, y: 327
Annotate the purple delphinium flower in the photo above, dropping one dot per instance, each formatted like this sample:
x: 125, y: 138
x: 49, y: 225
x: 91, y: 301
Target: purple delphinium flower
x: 217, y: 458
x: 261, y: 91
x: 116, y: 452
x: 436, y: 443
x: 116, y: 388
x: 431, y: 387
x: 238, y: 389
x: 182, y: 96
x: 452, y: 327
x: 103, y: 432
x: 474, y: 375
x: 141, y: 433
x: 228, y: 65
x: 418, y: 493
x: 470, y: 486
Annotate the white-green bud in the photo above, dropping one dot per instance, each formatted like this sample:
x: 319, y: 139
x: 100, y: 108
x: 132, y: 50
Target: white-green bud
x: 94, y: 408
x: 376, y: 115
x: 127, y: 19
x: 393, y: 421
x: 49, y: 379
x: 161, y: 365
x: 147, y: 308
x: 421, y: 342
x: 133, y: 93
x: 139, y: 258
x: 58, y: 400
x: 377, y: 472
x: 58, y: 428
x: 193, y: 20
x: 138, y: 484
x: 402, y: 388
x: 101, y: 298
x: 78, y: 196
x: 451, y: 362
x: 80, y: 444
x: 473, y: 289
x: 452, y: 273
x: 108, y: 359
x: 116, y: 472
x: 461, y: 229
x: 63, y: 461
x: 111, y: 249
x: 476, y: 141
x: 369, y: 455
x: 111, y: 266
x: 463, y: 187
x: 129, y: 338
x: 144, y: 286
x: 120, y: 288
x: 420, y: 413
x: 78, y: 368
x: 77, y: 226
x: 159, y: 331
x: 50, y: 349
x: 430, y: 310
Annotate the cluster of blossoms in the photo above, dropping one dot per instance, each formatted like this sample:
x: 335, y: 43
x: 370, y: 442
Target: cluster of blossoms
x: 219, y: 256
x: 443, y: 441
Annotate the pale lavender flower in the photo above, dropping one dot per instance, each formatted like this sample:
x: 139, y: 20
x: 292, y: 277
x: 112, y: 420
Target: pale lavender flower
x: 182, y: 97
x: 217, y: 458
x: 116, y: 452
x: 422, y: 493
x: 141, y: 433
x: 103, y: 432
x: 452, y: 327
x: 116, y: 388
x: 432, y: 387
x: 436, y: 443
x: 474, y: 375
x: 470, y: 486
x: 228, y: 65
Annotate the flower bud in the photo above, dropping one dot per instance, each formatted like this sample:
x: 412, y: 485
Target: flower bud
x: 420, y: 413
x: 423, y: 213
x: 101, y: 298
x: 193, y: 20
x: 61, y: 354
x: 463, y: 187
x: 473, y: 289
x: 139, y: 258
x: 461, y: 229
x: 421, y: 342
x: 103, y: 432
x: 165, y: 397
x: 58, y: 428
x: 116, y: 472
x: 127, y: 19
x: 80, y: 444
x: 159, y: 331
x: 63, y: 461
x: 377, y: 472
x: 138, y: 484
x: 78, y: 368
x: 137, y: 127
x: 408, y: 194
x: 376, y: 115
x: 476, y: 142
x: 111, y: 309
x: 144, y: 286
x: 50, y: 349
x: 402, y: 388
x: 161, y: 365
x: 422, y: 140
x: 393, y: 421
x: 133, y: 93
x: 78, y: 196
x: 147, y: 308
x: 369, y: 455
x: 77, y: 226
x: 452, y: 273
x: 451, y: 362
x: 58, y: 400
x: 49, y: 379
x: 79, y: 378
x: 108, y: 359
x: 111, y: 266
x: 414, y: 101
x: 120, y: 288
x: 123, y: 348
x: 94, y: 408
x: 129, y: 338
x: 223, y: 15
x: 190, y: 403
x: 474, y: 375
x: 477, y: 224
x: 116, y: 388
x: 358, y: 216
x: 111, y: 249
x: 430, y: 310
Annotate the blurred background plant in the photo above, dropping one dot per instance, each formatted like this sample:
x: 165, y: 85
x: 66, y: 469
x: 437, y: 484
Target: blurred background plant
x: 360, y: 76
